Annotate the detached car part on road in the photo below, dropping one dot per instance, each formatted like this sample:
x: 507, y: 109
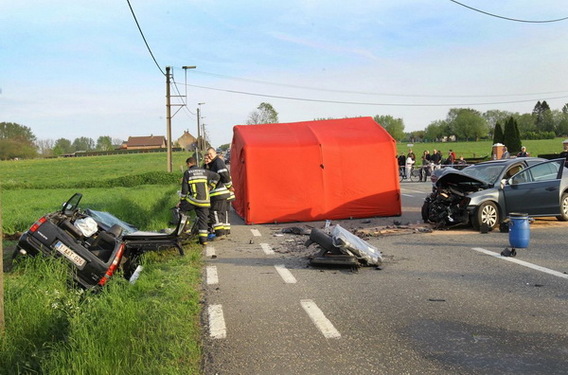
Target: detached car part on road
x: 484, y: 194
x: 95, y: 243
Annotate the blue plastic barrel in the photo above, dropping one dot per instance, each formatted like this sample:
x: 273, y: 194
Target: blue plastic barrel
x: 519, y: 230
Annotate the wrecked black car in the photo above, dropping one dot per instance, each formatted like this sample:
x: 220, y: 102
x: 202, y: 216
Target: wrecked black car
x: 484, y: 194
x: 96, y: 243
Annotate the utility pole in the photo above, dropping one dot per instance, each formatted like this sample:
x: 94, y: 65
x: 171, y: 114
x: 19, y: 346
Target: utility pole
x: 198, y: 146
x: 168, y: 120
x: 2, y: 325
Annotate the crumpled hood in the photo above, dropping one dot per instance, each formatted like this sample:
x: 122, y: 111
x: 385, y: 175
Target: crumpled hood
x: 457, y: 179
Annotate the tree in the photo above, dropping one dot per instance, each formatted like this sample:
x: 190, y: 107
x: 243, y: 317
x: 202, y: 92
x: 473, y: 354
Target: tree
x: 511, y: 137
x: 16, y: 141
x: 543, y: 117
x: 394, y: 126
x: 435, y: 131
x: 467, y: 124
x: 62, y: 146
x: 525, y: 124
x: 104, y: 143
x: 21, y: 133
x: 498, y: 134
x: 264, y: 114
x: 495, y: 116
x: 45, y: 147
x: 83, y: 144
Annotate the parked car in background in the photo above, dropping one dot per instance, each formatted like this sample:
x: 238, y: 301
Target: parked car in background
x: 486, y: 193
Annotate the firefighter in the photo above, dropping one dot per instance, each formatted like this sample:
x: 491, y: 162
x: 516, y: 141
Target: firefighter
x: 195, y: 189
x: 221, y: 195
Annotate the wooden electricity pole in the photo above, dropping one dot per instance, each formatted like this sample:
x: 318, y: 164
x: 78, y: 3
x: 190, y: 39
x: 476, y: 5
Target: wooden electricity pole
x: 1, y: 270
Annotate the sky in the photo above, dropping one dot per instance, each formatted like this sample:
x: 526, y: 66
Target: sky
x: 71, y: 69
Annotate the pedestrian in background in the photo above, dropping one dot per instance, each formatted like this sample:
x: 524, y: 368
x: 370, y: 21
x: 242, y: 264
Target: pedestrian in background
x: 505, y: 154
x: 523, y: 153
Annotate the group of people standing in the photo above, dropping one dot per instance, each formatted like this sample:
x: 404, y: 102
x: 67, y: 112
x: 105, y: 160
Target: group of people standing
x: 208, y: 190
x: 430, y: 162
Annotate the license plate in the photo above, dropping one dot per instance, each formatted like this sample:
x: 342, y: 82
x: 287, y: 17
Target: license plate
x: 69, y: 254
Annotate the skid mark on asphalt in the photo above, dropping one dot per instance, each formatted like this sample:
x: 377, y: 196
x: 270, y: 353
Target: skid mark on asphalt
x: 318, y: 318
x: 285, y: 274
x: 217, y: 328
x: 522, y: 263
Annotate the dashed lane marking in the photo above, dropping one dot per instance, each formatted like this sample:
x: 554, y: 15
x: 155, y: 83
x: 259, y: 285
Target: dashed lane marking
x: 217, y: 329
x: 285, y: 274
x: 267, y: 249
x: 407, y: 195
x: 522, y: 263
x: 256, y: 232
x: 210, y: 251
x: 211, y: 275
x: 319, y: 319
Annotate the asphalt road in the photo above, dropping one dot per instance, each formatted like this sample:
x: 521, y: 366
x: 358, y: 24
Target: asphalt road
x: 443, y: 303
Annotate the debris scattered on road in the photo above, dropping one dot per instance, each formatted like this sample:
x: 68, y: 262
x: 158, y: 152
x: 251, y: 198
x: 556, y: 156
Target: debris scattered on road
x: 297, y: 230
x: 343, y: 248
x: 396, y: 229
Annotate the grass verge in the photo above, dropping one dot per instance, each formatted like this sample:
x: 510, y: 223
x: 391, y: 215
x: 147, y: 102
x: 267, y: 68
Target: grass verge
x: 151, y: 327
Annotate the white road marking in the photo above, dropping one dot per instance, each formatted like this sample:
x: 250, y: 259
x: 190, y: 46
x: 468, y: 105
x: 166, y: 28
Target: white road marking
x: 211, y: 275
x: 210, y: 251
x: 522, y: 263
x: 217, y: 329
x: 285, y: 274
x: 407, y: 195
x: 256, y: 232
x: 319, y: 319
x: 266, y: 248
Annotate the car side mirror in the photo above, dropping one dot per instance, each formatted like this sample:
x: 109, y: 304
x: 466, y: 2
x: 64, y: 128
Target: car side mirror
x: 503, y: 183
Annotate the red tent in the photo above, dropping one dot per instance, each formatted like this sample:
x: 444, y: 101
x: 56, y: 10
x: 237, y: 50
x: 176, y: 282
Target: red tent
x: 314, y: 170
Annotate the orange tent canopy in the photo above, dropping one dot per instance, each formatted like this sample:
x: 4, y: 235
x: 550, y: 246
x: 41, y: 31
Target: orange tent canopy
x: 314, y: 170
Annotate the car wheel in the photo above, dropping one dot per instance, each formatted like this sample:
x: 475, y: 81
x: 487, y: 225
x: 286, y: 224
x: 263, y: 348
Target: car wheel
x: 487, y: 213
x: 563, y: 208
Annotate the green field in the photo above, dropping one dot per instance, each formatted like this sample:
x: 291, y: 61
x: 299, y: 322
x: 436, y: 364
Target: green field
x: 481, y: 148
x: 151, y: 327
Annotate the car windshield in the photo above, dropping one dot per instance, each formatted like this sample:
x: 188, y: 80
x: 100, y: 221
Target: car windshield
x: 488, y: 173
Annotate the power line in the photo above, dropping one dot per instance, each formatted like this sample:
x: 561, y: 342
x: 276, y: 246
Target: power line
x: 507, y: 18
x: 144, y: 38
x: 373, y: 103
x: 374, y: 93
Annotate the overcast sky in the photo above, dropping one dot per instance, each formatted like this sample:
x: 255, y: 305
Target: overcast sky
x: 80, y: 68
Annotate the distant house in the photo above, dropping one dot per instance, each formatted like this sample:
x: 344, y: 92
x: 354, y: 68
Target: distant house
x: 187, y: 141
x: 146, y: 143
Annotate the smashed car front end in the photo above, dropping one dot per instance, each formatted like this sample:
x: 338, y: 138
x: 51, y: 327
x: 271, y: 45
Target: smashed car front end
x: 454, y: 198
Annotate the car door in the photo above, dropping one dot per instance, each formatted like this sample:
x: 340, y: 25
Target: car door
x: 535, y: 190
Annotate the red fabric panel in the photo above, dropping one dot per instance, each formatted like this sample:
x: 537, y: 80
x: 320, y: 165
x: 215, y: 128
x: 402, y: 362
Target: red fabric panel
x: 317, y: 170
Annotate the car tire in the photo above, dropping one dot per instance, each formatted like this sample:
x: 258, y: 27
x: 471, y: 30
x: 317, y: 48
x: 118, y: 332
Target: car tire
x: 563, y: 208
x: 486, y: 213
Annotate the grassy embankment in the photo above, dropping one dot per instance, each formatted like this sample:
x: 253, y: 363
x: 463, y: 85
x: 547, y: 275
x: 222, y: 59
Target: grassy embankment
x: 151, y: 327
